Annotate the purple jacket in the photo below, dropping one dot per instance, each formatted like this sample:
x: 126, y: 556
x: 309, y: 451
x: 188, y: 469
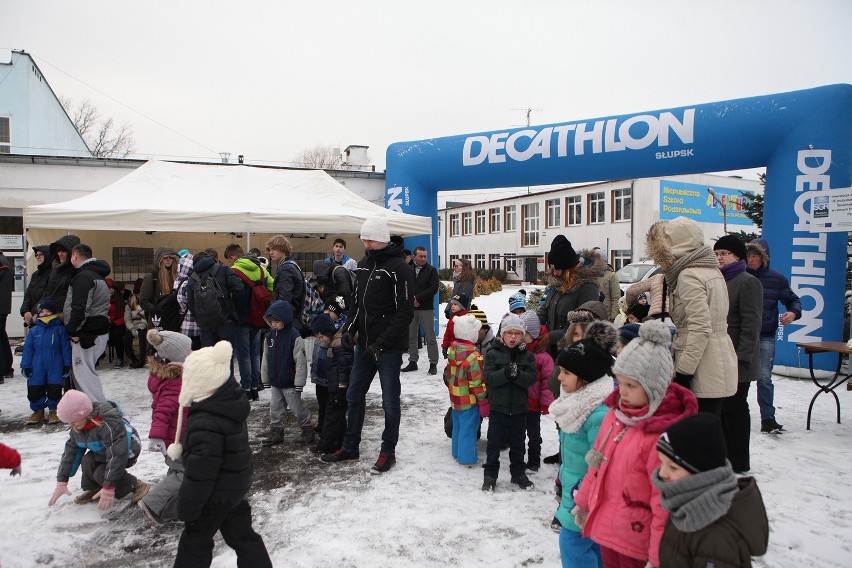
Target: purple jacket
x: 164, y: 407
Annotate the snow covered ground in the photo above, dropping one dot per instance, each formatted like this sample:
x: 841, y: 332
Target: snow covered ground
x: 427, y: 511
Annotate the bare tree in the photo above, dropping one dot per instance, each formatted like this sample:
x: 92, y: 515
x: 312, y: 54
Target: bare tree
x: 102, y: 136
x: 320, y: 157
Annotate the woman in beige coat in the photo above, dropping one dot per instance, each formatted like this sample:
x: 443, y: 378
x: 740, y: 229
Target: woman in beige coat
x: 705, y: 360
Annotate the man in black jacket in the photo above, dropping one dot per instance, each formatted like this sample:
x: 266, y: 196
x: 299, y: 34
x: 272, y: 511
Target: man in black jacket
x: 7, y: 284
x: 380, y: 314
x: 232, y: 288
x: 86, y: 318
x: 425, y: 288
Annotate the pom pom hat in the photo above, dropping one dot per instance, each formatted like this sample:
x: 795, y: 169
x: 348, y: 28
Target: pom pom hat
x: 562, y: 255
x: 375, y: 229
x: 480, y: 316
x: 590, y: 358
x: 323, y: 324
x: 204, y: 371
x: 512, y: 322
x: 517, y: 300
x: 648, y: 361
x: 172, y: 346
x: 74, y: 405
x: 532, y: 323
x: 467, y: 328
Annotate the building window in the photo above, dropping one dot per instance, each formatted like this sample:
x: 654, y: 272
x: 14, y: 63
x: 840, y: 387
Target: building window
x: 529, y: 216
x: 509, y: 218
x: 130, y: 263
x: 495, y: 260
x: 453, y: 259
x: 622, y: 204
x: 480, y: 222
x: 454, y: 225
x: 554, y: 213
x: 621, y: 258
x: 574, y: 207
x: 494, y: 214
x: 510, y: 263
x: 597, y: 207
x: 5, y: 135
x: 480, y: 261
x: 439, y: 227
x: 467, y: 223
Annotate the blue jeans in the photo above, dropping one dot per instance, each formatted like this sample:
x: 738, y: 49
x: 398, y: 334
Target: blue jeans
x: 363, y: 371
x: 578, y: 552
x: 247, y: 346
x: 765, y: 388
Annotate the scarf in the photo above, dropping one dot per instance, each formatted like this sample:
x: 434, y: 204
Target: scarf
x: 630, y: 417
x: 698, y: 500
x: 731, y: 270
x: 572, y: 409
x: 702, y: 256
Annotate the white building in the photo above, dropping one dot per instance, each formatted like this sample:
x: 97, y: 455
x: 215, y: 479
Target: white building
x: 515, y: 233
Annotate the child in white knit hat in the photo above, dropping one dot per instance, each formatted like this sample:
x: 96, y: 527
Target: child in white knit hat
x: 164, y: 382
x: 467, y: 389
x: 617, y: 506
x: 217, y: 461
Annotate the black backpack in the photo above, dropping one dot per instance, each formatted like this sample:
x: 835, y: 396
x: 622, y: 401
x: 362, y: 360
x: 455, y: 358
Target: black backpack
x: 208, y: 307
x: 168, y: 309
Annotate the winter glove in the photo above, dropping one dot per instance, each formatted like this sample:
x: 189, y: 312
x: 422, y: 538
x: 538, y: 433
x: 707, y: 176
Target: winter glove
x: 156, y: 444
x: 66, y: 372
x: 444, y: 352
x: 28, y: 373
x: 543, y: 344
x: 61, y: 489
x: 106, y: 497
x: 580, y: 516
x: 683, y: 380
x: 484, y: 408
x: 374, y: 351
x: 346, y: 341
x: 512, y: 371
x: 15, y: 471
x: 545, y: 409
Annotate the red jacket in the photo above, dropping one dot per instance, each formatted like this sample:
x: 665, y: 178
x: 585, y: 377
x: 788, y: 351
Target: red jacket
x: 540, y: 395
x: 624, y: 507
x: 164, y: 408
x: 9, y: 457
x: 449, y: 334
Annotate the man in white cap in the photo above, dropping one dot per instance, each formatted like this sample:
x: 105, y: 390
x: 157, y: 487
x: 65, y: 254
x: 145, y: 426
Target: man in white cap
x: 380, y: 315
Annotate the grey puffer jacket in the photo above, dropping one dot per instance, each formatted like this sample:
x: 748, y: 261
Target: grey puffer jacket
x: 86, y: 312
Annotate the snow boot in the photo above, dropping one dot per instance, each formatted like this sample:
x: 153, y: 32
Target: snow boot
x: 489, y: 483
x: 139, y: 491
x: 770, y: 426
x: 36, y: 418
x: 52, y: 417
x: 277, y: 438
x: 412, y: 366
x: 308, y: 436
x: 433, y: 369
x: 86, y: 496
x: 523, y: 481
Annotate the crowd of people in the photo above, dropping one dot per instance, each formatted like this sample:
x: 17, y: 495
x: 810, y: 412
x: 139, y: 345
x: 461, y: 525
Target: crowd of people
x: 652, y: 416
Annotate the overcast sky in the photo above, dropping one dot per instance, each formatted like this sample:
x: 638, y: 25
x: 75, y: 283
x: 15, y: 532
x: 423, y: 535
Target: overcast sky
x: 267, y: 79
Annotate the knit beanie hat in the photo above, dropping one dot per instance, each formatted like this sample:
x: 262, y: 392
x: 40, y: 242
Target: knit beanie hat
x: 590, y: 358
x: 733, y: 244
x: 466, y: 327
x: 336, y: 305
x: 532, y: 323
x: 480, y: 316
x: 463, y: 300
x: 648, y: 361
x: 512, y: 322
x: 696, y: 443
x: 562, y: 255
x: 47, y: 304
x: 204, y: 371
x: 170, y: 345
x: 375, y: 229
x: 628, y: 332
x: 74, y: 405
x: 517, y: 300
x: 323, y: 324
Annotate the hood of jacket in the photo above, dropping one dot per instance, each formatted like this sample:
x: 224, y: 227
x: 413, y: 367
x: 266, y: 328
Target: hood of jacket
x: 744, y: 516
x: 229, y: 401
x: 761, y: 247
x: 393, y: 249
x: 595, y: 307
x: 66, y: 242
x: 161, y: 253
x: 677, y: 404
x: 248, y: 265
x: 668, y: 241
x: 99, y: 267
x: 588, y: 272
x: 45, y: 250
x: 280, y: 310
x: 105, y: 410
x: 203, y: 263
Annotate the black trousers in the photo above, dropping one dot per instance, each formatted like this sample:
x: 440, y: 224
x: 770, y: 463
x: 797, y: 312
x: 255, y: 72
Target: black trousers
x: 196, y: 541
x: 116, y: 340
x: 322, y: 401
x: 736, y: 423
x: 534, y: 436
x: 499, y: 426
x: 5, y: 348
x: 93, y: 477
x: 334, y: 421
x: 711, y: 405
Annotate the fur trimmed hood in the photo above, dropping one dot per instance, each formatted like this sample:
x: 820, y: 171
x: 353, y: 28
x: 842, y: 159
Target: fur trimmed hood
x: 668, y: 241
x: 761, y: 247
x: 589, y: 269
x: 164, y: 371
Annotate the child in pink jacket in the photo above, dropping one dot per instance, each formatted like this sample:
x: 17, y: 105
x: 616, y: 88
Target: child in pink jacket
x: 539, y: 395
x: 617, y: 506
x: 164, y: 382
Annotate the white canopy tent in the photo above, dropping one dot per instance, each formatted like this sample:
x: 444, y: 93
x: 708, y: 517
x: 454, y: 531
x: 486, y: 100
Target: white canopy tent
x: 197, y: 198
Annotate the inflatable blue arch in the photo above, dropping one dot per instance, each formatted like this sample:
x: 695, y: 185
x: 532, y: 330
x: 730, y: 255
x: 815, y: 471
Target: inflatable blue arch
x: 803, y: 138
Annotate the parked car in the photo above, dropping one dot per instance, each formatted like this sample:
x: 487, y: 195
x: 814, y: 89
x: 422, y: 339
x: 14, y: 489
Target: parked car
x: 634, y: 272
